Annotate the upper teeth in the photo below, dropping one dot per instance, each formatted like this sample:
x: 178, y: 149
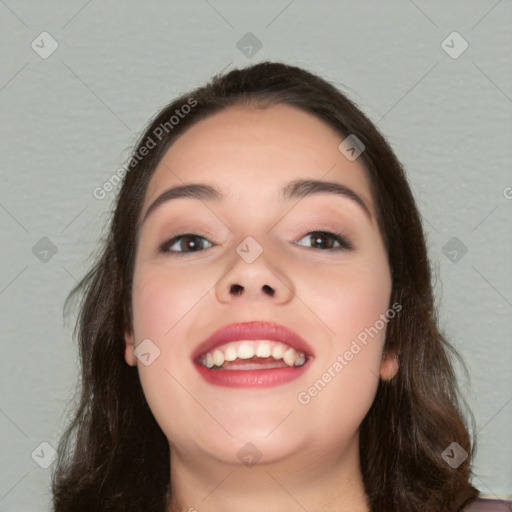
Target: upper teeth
x: 249, y: 348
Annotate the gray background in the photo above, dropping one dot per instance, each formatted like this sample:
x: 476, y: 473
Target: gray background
x: 68, y: 121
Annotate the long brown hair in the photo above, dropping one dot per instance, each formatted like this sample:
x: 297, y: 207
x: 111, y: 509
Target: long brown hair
x: 115, y: 457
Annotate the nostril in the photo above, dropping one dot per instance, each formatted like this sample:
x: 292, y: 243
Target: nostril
x: 268, y: 289
x: 236, y: 289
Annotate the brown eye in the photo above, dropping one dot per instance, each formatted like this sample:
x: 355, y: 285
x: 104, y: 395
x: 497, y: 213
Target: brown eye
x: 185, y: 243
x: 324, y: 240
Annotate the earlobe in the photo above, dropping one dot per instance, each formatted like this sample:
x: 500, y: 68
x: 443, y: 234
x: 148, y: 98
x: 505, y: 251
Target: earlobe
x: 129, y: 349
x: 389, y: 366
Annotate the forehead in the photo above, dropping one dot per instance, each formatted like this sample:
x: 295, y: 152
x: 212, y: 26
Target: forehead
x: 258, y: 150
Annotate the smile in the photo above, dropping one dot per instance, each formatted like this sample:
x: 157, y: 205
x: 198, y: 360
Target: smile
x: 264, y: 354
x: 253, y: 355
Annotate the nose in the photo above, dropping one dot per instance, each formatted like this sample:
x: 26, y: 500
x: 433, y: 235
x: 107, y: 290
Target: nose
x: 255, y: 281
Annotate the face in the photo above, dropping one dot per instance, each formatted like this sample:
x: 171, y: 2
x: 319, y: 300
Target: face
x: 310, y: 260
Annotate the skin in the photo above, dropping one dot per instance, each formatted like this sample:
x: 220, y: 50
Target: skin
x: 310, y: 453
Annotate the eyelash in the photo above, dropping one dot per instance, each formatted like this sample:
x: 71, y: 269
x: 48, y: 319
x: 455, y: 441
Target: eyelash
x: 342, y: 240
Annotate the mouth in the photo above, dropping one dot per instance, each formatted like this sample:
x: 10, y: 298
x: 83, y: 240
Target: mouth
x: 251, y: 354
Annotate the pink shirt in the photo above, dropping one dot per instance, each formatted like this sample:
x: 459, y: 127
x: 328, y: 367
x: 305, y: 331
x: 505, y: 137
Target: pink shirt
x: 482, y: 505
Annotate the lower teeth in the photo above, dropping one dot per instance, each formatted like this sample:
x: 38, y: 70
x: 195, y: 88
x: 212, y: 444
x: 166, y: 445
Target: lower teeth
x: 257, y: 363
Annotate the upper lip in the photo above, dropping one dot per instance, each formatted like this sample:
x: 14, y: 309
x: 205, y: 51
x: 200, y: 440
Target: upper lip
x: 257, y: 330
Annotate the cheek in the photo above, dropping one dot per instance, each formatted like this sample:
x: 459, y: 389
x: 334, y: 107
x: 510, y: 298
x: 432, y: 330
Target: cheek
x: 350, y: 300
x: 164, y: 305
x: 354, y: 306
x: 162, y: 299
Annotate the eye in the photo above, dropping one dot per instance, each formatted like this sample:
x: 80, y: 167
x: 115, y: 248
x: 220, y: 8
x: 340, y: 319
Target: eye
x: 325, y: 240
x: 186, y: 243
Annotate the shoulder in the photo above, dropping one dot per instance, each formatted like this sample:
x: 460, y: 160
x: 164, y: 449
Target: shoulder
x: 483, y: 505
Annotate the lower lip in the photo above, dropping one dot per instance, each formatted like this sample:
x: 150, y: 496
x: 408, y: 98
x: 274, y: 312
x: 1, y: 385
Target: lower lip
x: 251, y: 378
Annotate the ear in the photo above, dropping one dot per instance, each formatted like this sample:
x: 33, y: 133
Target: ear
x: 389, y: 366
x: 129, y: 349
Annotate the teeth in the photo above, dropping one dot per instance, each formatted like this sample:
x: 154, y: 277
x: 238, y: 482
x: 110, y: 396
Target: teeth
x: 230, y: 354
x: 264, y: 349
x: 300, y: 359
x: 245, y: 351
x: 218, y: 358
x: 277, y: 352
x: 289, y: 356
x: 248, y: 349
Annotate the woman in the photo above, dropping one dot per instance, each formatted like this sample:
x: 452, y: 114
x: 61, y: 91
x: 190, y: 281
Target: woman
x: 259, y: 331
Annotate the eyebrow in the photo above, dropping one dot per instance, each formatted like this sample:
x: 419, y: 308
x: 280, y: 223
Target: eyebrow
x: 301, y: 188
x: 297, y: 189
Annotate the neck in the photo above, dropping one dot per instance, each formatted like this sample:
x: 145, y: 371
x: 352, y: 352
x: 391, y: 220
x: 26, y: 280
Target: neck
x: 307, y: 481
